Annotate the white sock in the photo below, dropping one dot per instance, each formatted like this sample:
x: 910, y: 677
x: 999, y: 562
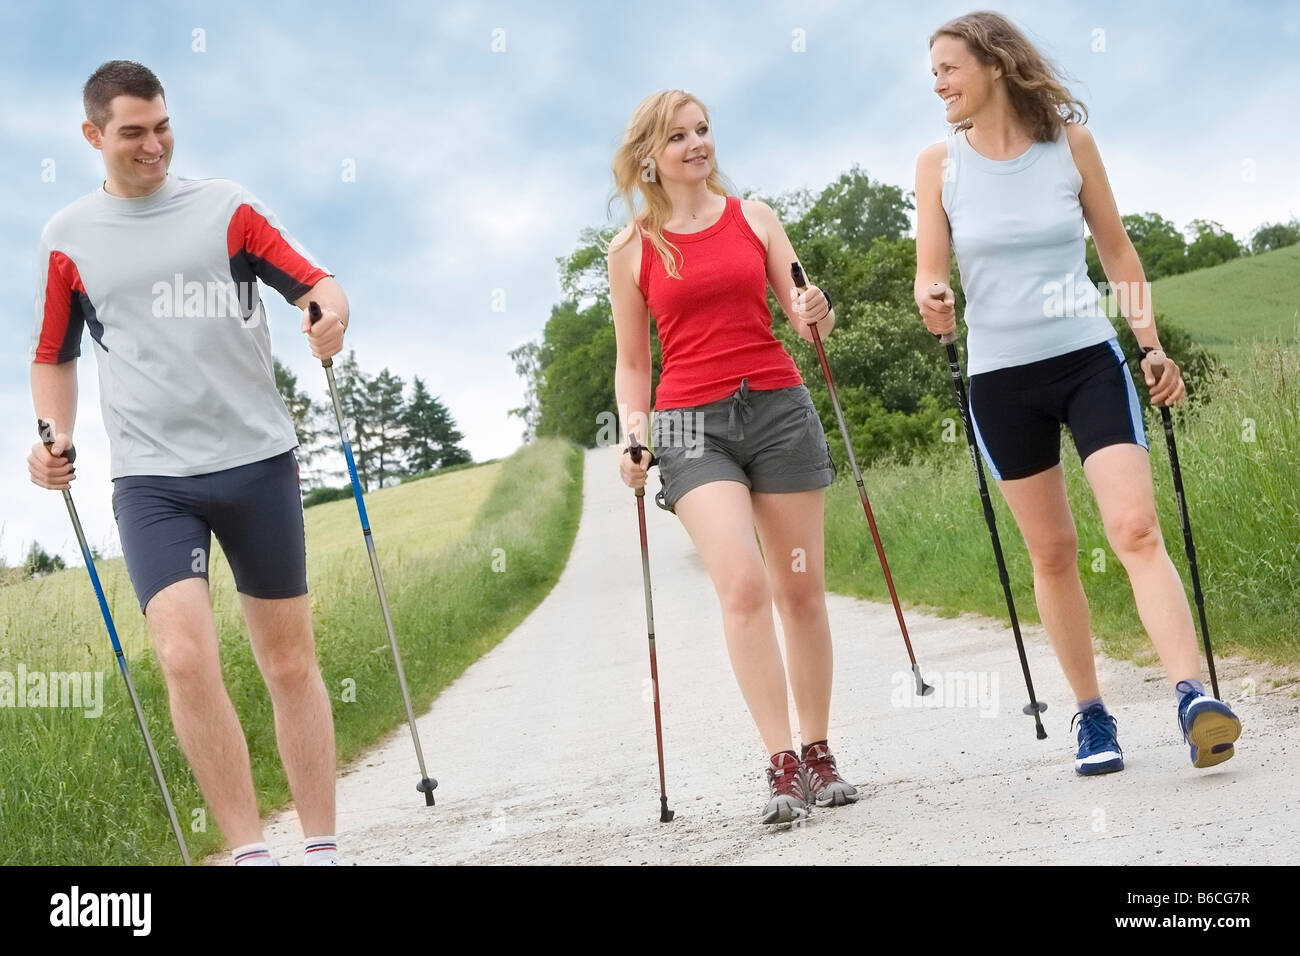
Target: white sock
x: 320, y: 851
x: 253, y: 854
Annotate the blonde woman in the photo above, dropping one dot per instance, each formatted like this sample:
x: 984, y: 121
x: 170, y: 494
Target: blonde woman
x: 738, y: 443
x: 1010, y: 190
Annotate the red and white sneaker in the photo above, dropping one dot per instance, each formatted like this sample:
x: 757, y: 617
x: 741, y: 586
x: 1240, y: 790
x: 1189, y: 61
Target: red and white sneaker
x: 788, y: 792
x: 826, y: 787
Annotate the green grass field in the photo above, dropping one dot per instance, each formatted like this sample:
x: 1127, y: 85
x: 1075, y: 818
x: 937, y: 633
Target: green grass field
x: 1229, y: 307
x: 465, y: 557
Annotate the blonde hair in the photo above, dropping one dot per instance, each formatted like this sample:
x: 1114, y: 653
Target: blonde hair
x: 1035, y: 86
x: 633, y: 168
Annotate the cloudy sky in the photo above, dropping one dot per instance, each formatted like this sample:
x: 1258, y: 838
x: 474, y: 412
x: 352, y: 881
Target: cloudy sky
x: 481, y: 134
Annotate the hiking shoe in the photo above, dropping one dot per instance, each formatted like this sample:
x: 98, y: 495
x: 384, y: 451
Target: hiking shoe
x: 788, y: 791
x: 826, y: 787
x: 1099, y: 750
x: 1209, y: 726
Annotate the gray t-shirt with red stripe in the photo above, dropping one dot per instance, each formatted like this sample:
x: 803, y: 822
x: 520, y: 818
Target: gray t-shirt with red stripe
x: 166, y: 284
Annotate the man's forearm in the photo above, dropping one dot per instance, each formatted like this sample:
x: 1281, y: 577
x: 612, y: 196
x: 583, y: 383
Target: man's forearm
x: 54, y: 394
x: 329, y: 295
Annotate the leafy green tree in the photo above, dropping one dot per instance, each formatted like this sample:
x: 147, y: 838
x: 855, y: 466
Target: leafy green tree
x: 576, y: 359
x: 308, y: 420
x: 883, y: 349
x: 353, y: 386
x: 583, y: 274
x: 1275, y: 235
x: 431, y: 438
x: 1157, y: 241
x: 384, y: 404
x: 835, y: 232
x: 572, y: 370
x: 39, y: 561
x: 528, y: 367
x: 1211, y: 245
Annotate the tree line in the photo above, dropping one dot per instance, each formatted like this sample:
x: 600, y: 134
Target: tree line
x: 394, y: 435
x: 891, y: 377
x: 1166, y: 250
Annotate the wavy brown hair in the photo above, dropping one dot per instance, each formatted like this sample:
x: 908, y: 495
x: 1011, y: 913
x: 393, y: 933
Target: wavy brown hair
x: 646, y: 134
x: 1035, y: 86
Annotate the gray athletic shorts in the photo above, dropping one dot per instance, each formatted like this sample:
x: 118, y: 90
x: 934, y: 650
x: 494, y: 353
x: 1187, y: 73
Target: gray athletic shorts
x: 769, y: 440
x: 166, y: 524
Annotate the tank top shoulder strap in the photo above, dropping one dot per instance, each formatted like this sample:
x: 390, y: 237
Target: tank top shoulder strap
x: 956, y: 144
x: 1065, y: 160
x: 648, y: 251
x: 736, y: 214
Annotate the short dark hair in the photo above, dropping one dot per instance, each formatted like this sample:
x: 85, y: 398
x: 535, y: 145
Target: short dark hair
x: 117, y: 78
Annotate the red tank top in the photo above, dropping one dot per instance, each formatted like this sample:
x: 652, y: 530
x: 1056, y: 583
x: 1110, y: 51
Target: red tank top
x: 713, y: 322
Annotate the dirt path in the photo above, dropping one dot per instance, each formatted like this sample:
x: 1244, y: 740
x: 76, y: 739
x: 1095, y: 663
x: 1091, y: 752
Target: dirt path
x: 544, y: 748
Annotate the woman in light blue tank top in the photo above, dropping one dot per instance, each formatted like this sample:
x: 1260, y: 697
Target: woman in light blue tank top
x: 1010, y: 190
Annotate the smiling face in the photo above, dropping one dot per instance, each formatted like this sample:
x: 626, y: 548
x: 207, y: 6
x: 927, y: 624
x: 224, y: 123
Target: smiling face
x: 688, y: 155
x: 963, y: 83
x: 136, y: 142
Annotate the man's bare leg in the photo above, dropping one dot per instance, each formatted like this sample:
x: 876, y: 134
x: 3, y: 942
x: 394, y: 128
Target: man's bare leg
x: 185, y: 639
x: 285, y: 650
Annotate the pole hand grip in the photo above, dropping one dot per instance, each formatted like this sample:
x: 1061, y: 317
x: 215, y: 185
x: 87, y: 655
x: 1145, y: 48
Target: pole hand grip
x: 314, y: 316
x: 45, y: 429
x: 1156, y: 359
x: 796, y: 273
x: 940, y: 290
x: 635, y: 448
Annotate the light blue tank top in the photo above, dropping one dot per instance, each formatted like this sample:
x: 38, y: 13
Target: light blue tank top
x: 1017, y: 229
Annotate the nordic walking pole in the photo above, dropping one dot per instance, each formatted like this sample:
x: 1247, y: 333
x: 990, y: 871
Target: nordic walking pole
x: 46, y: 432
x: 427, y: 784
x: 1156, y: 359
x: 664, y: 813
x: 1035, y: 706
x: 922, y: 688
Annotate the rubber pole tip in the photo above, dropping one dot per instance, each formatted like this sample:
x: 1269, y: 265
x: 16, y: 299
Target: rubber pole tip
x: 664, y: 813
x: 426, y: 787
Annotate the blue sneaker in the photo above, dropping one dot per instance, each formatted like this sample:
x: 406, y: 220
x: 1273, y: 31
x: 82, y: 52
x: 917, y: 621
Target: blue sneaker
x: 1209, y: 726
x: 1099, y: 750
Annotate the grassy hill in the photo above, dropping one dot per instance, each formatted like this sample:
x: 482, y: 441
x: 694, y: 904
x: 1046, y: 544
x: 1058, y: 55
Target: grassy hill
x: 1230, y: 306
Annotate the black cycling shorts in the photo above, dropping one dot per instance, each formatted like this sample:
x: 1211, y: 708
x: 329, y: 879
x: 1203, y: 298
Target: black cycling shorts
x: 1017, y: 412
x: 255, y: 511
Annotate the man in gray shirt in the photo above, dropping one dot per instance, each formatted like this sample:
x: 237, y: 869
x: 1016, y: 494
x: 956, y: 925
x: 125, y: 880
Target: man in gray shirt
x: 163, y: 273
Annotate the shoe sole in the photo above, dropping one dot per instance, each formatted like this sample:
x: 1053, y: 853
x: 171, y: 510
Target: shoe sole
x: 1093, y: 769
x: 784, y: 810
x: 837, y: 795
x: 1211, y: 737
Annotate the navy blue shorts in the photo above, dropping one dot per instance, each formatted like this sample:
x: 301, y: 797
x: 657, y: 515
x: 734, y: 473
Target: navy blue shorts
x: 255, y: 511
x: 1017, y: 412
